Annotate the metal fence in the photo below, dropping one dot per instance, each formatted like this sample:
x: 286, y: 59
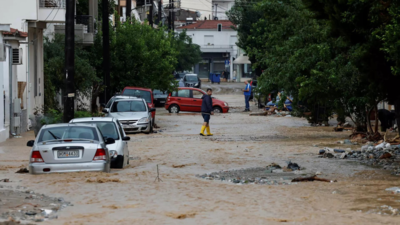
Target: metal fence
x: 87, y: 21
x: 52, y: 4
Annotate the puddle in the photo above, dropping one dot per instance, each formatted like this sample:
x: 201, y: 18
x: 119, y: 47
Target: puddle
x: 29, y: 206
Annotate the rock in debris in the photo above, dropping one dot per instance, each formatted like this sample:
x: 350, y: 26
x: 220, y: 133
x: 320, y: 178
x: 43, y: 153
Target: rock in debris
x: 293, y: 166
x: 343, y: 155
x: 321, y: 152
x: 328, y: 155
x: 23, y: 170
x: 385, y: 155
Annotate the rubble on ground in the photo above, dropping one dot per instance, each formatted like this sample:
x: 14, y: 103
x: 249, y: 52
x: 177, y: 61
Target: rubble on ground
x: 383, y: 154
x: 25, y: 205
x: 273, y: 174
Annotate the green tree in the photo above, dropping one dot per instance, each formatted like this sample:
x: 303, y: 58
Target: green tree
x: 142, y: 56
x: 189, y: 54
x: 54, y: 73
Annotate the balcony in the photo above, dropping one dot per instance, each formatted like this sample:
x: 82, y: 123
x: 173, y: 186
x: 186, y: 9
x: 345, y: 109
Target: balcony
x: 84, y: 29
x: 52, y: 11
x: 216, y: 48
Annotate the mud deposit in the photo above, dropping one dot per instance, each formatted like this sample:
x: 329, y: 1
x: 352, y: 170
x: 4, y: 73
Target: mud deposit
x: 131, y: 195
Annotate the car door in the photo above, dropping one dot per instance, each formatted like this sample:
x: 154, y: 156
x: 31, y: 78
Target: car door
x: 197, y: 101
x: 124, y: 143
x: 184, y: 99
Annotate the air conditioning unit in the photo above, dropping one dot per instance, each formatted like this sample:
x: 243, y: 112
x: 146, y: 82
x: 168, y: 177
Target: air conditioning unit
x: 17, y: 56
x: 2, y: 52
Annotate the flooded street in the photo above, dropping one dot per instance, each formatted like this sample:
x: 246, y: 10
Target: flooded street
x: 132, y: 196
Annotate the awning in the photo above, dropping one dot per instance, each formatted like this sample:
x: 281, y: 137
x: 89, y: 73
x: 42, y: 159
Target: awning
x: 242, y: 60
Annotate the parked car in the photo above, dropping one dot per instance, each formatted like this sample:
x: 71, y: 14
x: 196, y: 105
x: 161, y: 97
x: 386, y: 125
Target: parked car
x: 190, y: 80
x: 133, y: 114
x: 69, y: 148
x: 189, y: 99
x: 160, y: 97
x: 145, y: 93
x: 111, y: 128
x: 115, y: 97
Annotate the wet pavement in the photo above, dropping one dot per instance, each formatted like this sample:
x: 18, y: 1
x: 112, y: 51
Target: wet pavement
x: 241, y: 144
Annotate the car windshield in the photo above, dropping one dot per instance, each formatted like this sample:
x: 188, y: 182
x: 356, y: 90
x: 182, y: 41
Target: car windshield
x: 128, y: 106
x: 191, y: 78
x: 146, y: 95
x: 68, y: 132
x: 158, y: 92
x: 107, y: 128
x: 109, y: 103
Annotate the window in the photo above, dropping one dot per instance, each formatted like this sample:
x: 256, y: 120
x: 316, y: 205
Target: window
x: 146, y: 95
x: 128, y: 106
x: 108, y: 129
x: 219, y: 27
x: 197, y: 94
x: 191, y: 78
x: 67, y: 132
x: 232, y: 40
x: 208, y: 39
x: 184, y: 93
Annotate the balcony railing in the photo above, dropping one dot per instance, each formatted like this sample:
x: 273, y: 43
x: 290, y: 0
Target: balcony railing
x: 87, y: 21
x: 52, y: 4
x: 217, y: 46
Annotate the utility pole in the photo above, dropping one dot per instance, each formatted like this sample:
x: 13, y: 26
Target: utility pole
x: 216, y: 12
x: 169, y: 15
x: 151, y: 13
x: 173, y: 17
x: 69, y: 94
x: 128, y: 9
x: 106, y: 50
x: 159, y: 12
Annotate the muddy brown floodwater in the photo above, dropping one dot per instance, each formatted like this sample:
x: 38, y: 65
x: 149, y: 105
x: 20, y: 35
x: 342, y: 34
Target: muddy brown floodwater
x: 131, y: 195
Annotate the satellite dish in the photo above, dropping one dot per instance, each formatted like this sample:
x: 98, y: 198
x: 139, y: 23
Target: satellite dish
x: 198, y: 14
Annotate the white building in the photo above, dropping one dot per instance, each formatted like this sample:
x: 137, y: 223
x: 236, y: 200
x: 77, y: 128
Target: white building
x: 11, y: 115
x: 217, y: 41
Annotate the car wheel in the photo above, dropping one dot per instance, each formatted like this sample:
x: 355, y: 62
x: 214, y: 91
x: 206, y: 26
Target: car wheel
x: 174, y: 109
x: 217, y: 109
x: 119, y: 162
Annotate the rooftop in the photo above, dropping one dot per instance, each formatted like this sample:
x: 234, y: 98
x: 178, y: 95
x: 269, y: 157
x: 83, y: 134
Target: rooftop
x: 208, y: 25
x: 15, y: 32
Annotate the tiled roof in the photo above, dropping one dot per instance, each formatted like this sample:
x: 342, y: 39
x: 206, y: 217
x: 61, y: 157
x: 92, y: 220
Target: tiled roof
x: 15, y: 32
x: 209, y: 25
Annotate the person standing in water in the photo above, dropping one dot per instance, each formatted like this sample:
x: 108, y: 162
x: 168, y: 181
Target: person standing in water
x: 206, y: 112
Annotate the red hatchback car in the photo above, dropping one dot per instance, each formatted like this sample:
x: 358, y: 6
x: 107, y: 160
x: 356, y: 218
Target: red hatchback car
x: 189, y: 99
x: 145, y: 93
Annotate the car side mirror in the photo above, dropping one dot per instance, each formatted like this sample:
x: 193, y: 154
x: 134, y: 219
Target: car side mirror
x: 105, y: 110
x: 110, y: 141
x: 152, y: 109
x: 126, y: 138
x: 30, y: 143
x: 103, y: 105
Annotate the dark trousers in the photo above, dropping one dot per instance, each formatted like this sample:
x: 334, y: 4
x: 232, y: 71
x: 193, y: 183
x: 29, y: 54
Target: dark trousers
x: 247, y: 99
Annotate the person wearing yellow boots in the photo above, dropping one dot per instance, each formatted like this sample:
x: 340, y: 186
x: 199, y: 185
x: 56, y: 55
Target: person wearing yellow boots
x: 206, y: 112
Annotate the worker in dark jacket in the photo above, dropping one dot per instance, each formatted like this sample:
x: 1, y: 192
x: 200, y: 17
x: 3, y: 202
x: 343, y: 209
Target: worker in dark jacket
x: 206, y: 112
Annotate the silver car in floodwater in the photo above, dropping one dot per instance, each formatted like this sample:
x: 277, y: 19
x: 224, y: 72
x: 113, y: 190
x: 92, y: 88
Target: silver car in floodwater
x: 69, y: 148
x: 111, y: 128
x: 133, y: 114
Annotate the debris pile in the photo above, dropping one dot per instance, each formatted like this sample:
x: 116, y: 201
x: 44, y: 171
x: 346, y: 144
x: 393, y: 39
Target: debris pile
x: 273, y: 174
x: 383, y: 154
x: 29, y: 206
x: 385, y: 210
